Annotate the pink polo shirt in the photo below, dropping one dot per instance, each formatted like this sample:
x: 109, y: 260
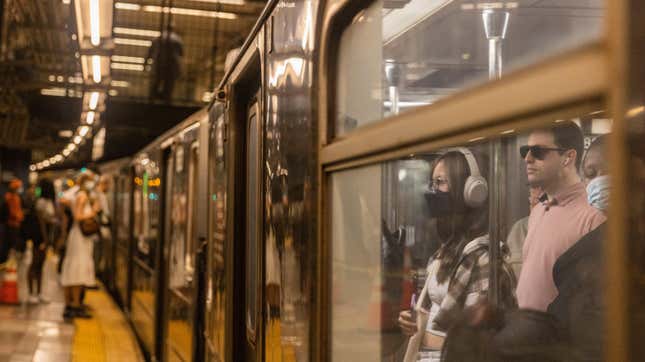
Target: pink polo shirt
x: 554, y: 226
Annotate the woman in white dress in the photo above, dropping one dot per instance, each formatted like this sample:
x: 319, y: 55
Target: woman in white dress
x: 78, y: 266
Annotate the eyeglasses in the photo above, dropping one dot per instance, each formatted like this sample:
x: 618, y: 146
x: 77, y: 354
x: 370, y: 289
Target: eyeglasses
x: 538, y: 152
x: 436, y: 183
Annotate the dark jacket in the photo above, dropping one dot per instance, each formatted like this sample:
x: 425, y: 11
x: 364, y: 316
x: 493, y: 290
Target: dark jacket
x: 579, y: 306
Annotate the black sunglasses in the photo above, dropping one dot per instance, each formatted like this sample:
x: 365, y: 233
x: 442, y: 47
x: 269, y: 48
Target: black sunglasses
x: 538, y: 152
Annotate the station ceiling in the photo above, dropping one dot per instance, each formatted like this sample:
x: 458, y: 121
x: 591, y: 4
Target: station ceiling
x: 41, y: 78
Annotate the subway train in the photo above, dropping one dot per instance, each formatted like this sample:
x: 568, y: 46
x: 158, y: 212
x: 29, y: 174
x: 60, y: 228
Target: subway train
x: 286, y: 221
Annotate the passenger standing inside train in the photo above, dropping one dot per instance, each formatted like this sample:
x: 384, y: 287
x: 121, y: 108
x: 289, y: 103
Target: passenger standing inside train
x: 102, y: 189
x: 563, y: 215
x: 517, y: 235
x: 78, y: 266
x: 458, y: 272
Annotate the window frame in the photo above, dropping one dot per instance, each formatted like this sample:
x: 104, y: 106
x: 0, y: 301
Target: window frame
x: 578, y: 80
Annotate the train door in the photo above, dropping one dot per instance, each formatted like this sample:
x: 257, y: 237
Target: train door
x: 180, y: 249
x: 253, y: 232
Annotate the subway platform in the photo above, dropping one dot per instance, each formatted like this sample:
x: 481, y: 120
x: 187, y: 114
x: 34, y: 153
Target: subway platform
x: 38, y: 332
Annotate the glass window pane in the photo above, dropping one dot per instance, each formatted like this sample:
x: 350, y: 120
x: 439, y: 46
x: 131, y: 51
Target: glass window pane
x: 398, y: 55
x: 252, y: 219
x: 418, y: 230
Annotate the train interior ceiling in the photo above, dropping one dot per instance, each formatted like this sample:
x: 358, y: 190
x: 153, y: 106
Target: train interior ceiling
x: 270, y: 202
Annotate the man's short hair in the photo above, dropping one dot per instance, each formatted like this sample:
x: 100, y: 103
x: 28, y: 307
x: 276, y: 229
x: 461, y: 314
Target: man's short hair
x: 567, y: 135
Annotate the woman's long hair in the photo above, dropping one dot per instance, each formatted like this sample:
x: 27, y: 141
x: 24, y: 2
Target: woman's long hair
x: 47, y: 190
x: 464, y: 223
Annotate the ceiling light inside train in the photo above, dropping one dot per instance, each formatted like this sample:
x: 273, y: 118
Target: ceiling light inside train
x: 32, y: 168
x: 46, y: 163
x: 95, y: 33
x: 58, y: 158
x: 71, y: 147
x: 82, y: 131
x: 66, y: 152
x: 77, y: 139
x: 133, y: 42
x: 137, y: 32
x: 94, y: 100
x: 90, y: 118
x: 96, y: 68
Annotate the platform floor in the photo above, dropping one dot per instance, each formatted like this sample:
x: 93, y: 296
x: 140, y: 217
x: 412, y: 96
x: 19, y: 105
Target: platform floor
x: 38, y: 332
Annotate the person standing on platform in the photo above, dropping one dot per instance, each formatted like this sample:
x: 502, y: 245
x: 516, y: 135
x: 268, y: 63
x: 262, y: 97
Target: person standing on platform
x: 563, y: 215
x: 165, y: 55
x: 78, y: 266
x: 13, y: 216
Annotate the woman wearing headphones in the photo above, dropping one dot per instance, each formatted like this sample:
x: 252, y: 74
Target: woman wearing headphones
x: 458, y: 273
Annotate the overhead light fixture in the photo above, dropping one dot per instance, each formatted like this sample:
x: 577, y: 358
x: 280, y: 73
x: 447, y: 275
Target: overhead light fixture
x: 96, y: 68
x: 66, y: 152
x: 127, y: 6
x: 77, y: 139
x: 226, y: 2
x: 119, y: 83
x: 32, y: 168
x: 190, y: 12
x: 67, y: 2
x: 94, y: 100
x: 126, y: 66
x: 89, y: 119
x: 51, y: 78
x: 58, y: 157
x: 71, y: 147
x: 65, y: 133
x: 138, y: 32
x: 82, y: 131
x: 125, y: 59
x: 176, y: 11
x: 46, y: 163
x: 95, y: 32
x: 113, y: 92
x: 56, y: 92
x: 133, y: 42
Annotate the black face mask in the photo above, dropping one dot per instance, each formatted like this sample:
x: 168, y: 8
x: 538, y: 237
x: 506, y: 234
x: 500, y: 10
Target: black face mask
x: 439, y: 204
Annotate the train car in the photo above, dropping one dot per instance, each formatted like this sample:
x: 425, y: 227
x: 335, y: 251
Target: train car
x: 287, y: 221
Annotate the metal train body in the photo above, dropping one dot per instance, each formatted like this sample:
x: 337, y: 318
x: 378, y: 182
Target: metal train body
x: 195, y: 284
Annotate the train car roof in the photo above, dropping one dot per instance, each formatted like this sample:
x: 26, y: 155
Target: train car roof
x: 268, y: 9
x: 171, y: 133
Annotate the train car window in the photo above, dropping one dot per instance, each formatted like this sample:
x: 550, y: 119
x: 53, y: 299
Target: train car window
x: 253, y: 210
x: 123, y: 191
x: 217, y: 289
x: 182, y: 166
x: 192, y: 206
x: 412, y: 253
x: 397, y: 55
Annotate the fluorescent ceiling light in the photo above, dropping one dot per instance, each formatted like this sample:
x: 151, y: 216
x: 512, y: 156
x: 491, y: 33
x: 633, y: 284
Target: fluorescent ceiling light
x: 95, y: 32
x: 113, y: 92
x: 125, y: 59
x: 82, y: 131
x: 119, y: 83
x: 94, y: 100
x: 90, y: 118
x: 134, y: 42
x: 96, y: 68
x: 56, y: 92
x: 77, y: 139
x: 65, y: 133
x: 176, y: 11
x: 138, y: 32
x: 127, y: 6
x: 227, y: 2
x: 126, y: 66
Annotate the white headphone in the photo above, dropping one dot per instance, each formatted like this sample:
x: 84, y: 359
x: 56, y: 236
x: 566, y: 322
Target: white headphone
x: 476, y: 187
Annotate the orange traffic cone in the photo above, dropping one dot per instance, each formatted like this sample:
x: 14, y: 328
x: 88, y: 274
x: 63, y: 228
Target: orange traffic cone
x: 9, y: 288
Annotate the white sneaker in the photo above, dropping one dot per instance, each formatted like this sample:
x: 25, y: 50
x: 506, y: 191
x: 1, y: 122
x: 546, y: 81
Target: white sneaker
x: 33, y: 299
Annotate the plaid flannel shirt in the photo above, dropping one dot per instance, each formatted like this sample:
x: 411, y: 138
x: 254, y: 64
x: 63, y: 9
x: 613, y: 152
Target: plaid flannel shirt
x: 469, y: 283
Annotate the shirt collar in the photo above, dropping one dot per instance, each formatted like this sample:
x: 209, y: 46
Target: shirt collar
x: 565, y: 196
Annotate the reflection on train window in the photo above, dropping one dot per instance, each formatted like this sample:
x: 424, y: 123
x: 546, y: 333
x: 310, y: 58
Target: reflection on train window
x: 398, y: 55
x: 252, y: 219
x: 417, y: 232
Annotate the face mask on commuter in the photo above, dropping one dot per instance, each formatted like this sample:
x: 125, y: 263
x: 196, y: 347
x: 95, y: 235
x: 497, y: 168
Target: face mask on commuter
x: 89, y: 185
x: 439, y: 203
x: 598, y: 192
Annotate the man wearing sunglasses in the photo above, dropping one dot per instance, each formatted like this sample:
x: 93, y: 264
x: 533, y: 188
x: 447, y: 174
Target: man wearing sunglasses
x: 563, y: 214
